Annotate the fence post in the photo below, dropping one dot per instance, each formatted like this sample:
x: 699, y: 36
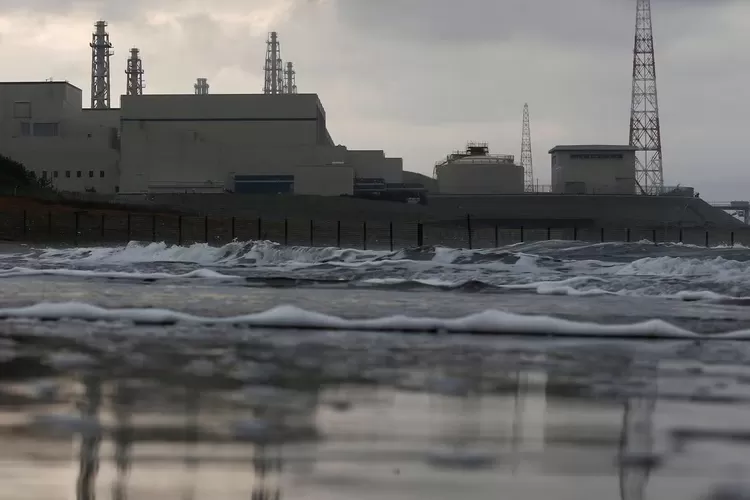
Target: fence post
x: 390, y: 234
x: 338, y: 234
x: 653, y: 235
x: 49, y: 223
x: 286, y: 232
x: 549, y: 234
x: 364, y: 235
x: 179, y: 229
x: 129, y: 227
x: 628, y: 235
x: 205, y: 228
x: 312, y: 233
x: 103, y: 225
x: 497, y: 237
x: 731, y: 238
x: 602, y: 235
x: 234, y: 228
x: 468, y: 229
x: 260, y: 229
x: 77, y: 226
x: 153, y: 228
x: 707, y: 245
x: 420, y: 234
x: 522, y: 235
x: 575, y: 234
x: 24, y: 228
x: 680, y: 235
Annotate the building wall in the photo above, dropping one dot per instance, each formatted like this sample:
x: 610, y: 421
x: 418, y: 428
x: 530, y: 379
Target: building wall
x: 373, y: 164
x: 480, y: 178
x: 162, y: 158
x: 574, y: 173
x: 76, y: 151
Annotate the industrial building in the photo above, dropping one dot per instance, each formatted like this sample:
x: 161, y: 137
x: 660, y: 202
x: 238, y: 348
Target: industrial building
x: 475, y: 172
x: 274, y: 142
x: 598, y: 169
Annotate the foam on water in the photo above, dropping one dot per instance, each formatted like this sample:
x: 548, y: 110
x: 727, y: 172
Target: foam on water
x: 487, y: 322
x: 669, y: 271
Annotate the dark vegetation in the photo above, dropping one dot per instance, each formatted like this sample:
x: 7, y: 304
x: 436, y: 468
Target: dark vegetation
x: 15, y: 179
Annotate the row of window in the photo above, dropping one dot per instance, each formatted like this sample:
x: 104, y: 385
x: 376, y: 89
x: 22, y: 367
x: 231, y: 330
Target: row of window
x: 79, y: 174
x: 40, y: 129
x: 597, y: 156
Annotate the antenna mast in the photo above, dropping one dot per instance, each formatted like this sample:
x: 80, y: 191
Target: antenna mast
x: 645, y: 129
x: 526, y: 159
x: 101, y: 49
x: 274, y: 71
x: 290, y: 79
x: 135, y: 73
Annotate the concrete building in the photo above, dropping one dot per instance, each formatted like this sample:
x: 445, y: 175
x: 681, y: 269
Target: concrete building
x: 476, y: 172
x: 597, y: 169
x: 43, y: 126
x: 248, y: 143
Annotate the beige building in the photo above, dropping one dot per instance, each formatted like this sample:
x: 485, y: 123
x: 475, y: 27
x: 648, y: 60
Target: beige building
x: 43, y: 126
x: 249, y: 143
x: 476, y: 172
x: 598, y: 169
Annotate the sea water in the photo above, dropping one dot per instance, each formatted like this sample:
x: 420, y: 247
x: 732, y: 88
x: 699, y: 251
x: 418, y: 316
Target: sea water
x: 543, y: 370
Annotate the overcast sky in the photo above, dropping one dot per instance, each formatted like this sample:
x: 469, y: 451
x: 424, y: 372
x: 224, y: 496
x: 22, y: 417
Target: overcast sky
x: 419, y: 78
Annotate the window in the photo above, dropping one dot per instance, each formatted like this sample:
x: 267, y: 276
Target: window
x: 91, y: 174
x: 55, y: 174
x: 46, y: 129
x: 101, y: 174
x: 78, y: 174
x: 25, y: 129
x: 67, y: 174
x: 22, y: 109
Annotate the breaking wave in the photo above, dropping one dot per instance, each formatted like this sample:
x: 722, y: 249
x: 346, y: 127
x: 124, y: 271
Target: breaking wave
x: 672, y: 271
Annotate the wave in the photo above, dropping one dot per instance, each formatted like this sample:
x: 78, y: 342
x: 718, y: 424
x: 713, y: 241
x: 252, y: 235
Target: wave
x: 490, y: 322
x: 206, y: 274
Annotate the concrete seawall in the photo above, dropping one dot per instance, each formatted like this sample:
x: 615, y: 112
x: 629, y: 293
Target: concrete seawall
x: 530, y: 210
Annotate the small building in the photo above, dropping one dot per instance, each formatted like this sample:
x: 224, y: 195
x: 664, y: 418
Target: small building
x: 476, y: 171
x: 44, y: 127
x: 593, y: 169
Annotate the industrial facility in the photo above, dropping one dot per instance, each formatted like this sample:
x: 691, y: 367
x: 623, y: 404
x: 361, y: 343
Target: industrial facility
x: 271, y: 142
x: 475, y: 171
x: 599, y: 169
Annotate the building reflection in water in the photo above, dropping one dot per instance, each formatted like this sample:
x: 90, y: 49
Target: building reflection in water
x: 509, y: 421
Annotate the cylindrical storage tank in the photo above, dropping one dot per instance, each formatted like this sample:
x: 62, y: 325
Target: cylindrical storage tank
x: 479, y: 175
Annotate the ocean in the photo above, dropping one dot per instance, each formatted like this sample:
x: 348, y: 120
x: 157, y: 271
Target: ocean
x: 553, y: 369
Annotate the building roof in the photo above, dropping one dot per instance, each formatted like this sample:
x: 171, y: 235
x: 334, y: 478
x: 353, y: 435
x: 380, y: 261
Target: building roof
x: 44, y: 82
x: 593, y: 147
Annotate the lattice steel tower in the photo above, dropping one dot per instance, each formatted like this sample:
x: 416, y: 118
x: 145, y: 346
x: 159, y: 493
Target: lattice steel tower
x: 290, y: 79
x: 101, y: 50
x: 274, y: 68
x: 526, y: 159
x: 135, y: 73
x: 645, y: 130
x: 201, y: 86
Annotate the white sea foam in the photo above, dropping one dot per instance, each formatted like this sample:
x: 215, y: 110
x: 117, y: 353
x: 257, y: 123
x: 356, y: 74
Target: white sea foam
x: 84, y: 273
x: 487, y: 322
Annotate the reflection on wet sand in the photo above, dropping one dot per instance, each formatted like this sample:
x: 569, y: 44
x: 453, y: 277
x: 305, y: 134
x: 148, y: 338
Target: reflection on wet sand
x: 430, y: 428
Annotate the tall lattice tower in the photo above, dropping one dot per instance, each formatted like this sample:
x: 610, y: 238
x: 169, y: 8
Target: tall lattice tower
x: 101, y: 50
x: 274, y: 68
x: 201, y: 86
x: 645, y: 130
x: 290, y: 79
x: 135, y: 73
x: 526, y: 159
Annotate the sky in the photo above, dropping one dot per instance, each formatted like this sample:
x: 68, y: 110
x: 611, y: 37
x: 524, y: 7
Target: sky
x: 420, y: 78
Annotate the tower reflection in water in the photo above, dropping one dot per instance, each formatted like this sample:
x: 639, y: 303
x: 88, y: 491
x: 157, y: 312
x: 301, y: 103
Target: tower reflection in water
x: 512, y: 422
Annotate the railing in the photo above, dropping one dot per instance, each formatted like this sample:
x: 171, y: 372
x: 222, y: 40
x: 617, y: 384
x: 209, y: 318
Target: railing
x: 79, y: 228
